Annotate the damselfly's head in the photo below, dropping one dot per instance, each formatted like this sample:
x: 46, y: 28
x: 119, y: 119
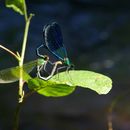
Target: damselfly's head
x: 43, y: 60
x: 45, y: 57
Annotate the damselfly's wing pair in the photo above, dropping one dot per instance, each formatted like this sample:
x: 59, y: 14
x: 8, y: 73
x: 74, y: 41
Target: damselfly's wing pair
x: 53, y: 42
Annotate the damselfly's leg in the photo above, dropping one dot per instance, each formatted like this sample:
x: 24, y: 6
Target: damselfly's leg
x: 45, y: 57
x: 60, y: 68
x: 67, y: 68
x: 52, y: 72
x: 38, y: 51
x: 39, y: 68
x: 44, y: 67
x: 67, y: 71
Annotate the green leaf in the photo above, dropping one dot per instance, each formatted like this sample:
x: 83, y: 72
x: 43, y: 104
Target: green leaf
x: 11, y: 75
x: 16, y: 5
x: 65, y: 83
x: 86, y: 79
x: 49, y: 88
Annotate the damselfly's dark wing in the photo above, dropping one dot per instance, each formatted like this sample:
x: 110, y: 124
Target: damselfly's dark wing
x: 54, y: 40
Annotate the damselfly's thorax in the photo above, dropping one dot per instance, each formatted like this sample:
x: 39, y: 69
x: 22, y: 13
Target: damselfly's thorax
x: 67, y: 62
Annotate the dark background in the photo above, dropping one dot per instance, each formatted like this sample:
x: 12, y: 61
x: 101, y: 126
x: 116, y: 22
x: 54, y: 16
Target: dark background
x: 97, y: 37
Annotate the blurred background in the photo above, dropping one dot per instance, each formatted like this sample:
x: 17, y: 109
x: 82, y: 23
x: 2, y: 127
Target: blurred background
x: 97, y: 37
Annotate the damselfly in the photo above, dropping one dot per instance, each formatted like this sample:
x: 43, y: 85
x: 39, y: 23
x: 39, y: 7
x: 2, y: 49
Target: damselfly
x: 53, y: 41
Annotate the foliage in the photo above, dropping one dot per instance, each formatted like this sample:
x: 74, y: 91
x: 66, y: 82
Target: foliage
x: 16, y: 5
x: 61, y: 84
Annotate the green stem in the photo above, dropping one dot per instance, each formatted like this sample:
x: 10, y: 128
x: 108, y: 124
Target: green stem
x: 18, y: 110
x: 21, y: 92
x: 16, y: 116
x: 21, y: 83
x: 9, y: 51
x: 25, y: 39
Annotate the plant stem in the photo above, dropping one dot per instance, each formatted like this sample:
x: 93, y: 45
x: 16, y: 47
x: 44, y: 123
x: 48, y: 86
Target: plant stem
x: 21, y: 92
x: 25, y: 38
x: 16, y: 116
x: 12, y: 53
x: 18, y: 110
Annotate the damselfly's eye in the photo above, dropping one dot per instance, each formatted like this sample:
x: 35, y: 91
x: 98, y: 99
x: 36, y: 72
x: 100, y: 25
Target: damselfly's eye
x: 46, y: 58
